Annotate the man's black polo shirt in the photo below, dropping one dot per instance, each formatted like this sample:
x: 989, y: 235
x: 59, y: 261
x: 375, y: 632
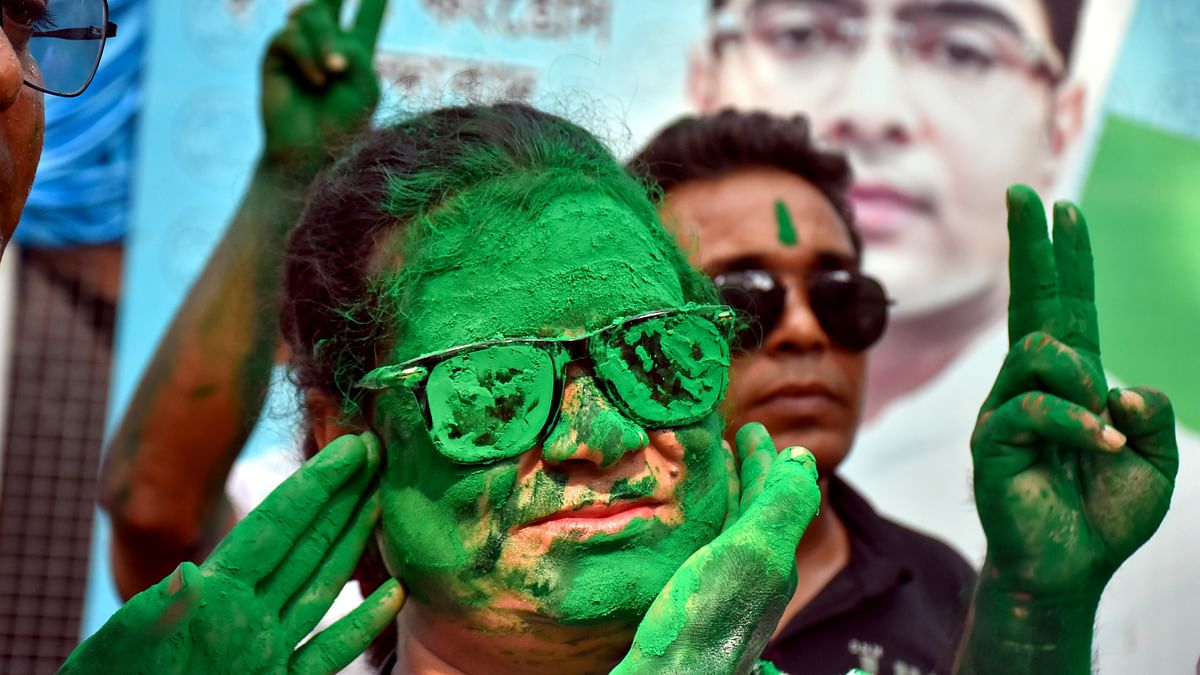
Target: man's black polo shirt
x: 897, y: 608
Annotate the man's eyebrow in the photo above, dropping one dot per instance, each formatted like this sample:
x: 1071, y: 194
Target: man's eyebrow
x: 825, y: 260
x: 831, y: 260
x: 751, y: 261
x: 846, y: 5
x: 959, y: 10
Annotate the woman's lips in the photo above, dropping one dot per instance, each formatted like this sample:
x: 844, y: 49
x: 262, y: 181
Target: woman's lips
x: 595, y: 518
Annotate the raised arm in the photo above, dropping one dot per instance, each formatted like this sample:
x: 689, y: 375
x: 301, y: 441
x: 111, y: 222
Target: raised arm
x: 1070, y: 477
x: 164, y: 473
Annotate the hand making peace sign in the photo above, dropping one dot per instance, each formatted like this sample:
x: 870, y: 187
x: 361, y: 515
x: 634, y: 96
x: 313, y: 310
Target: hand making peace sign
x: 319, y: 84
x: 1064, y: 495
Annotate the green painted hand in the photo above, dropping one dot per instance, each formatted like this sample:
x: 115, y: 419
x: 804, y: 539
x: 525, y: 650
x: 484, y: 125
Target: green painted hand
x: 265, y: 587
x: 1064, y: 497
x: 319, y: 85
x: 717, y: 612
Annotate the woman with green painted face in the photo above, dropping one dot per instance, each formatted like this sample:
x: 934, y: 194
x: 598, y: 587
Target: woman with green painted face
x: 487, y: 317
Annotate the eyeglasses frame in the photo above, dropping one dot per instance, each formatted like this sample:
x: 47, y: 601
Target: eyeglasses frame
x: 414, y: 373
x: 110, y: 31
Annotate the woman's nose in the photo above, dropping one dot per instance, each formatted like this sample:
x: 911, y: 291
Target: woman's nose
x: 590, y: 429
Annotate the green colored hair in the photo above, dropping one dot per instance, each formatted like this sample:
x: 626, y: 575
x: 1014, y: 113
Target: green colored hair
x: 406, y: 184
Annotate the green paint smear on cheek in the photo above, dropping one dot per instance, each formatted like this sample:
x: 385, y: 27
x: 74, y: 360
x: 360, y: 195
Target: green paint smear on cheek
x: 443, y: 523
x: 787, y: 230
x: 616, y: 577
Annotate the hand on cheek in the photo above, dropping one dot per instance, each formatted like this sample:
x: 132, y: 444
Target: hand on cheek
x: 720, y: 608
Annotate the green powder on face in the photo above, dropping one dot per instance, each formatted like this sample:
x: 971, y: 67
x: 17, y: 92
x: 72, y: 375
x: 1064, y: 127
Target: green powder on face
x: 505, y: 277
x: 626, y: 489
x: 787, y: 231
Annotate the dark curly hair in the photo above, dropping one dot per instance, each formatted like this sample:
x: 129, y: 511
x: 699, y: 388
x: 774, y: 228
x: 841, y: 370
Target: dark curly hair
x: 711, y: 146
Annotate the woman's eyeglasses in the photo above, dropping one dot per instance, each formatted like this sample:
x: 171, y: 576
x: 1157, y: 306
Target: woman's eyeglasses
x: 851, y: 307
x: 494, y: 400
x: 66, y: 39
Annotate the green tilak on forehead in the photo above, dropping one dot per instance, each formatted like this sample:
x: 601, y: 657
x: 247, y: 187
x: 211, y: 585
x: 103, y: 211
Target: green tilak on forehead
x: 787, y: 231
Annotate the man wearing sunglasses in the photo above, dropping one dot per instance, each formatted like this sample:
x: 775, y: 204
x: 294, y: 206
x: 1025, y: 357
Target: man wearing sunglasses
x: 42, y: 52
x: 939, y: 105
x: 765, y: 214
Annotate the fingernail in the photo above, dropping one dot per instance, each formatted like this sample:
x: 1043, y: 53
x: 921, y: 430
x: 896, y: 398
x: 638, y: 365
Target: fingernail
x: 801, y: 454
x: 1131, y: 400
x: 1113, y: 439
x: 335, y: 62
x: 177, y: 582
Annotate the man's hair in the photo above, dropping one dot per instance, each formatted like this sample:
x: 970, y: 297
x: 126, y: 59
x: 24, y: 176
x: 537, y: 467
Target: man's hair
x: 1063, y: 16
x: 713, y: 146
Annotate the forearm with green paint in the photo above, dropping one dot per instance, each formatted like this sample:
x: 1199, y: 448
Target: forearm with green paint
x: 1015, y: 632
x: 164, y: 473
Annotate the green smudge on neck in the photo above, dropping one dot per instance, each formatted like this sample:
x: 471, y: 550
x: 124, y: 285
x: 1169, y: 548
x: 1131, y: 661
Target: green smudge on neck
x: 787, y: 231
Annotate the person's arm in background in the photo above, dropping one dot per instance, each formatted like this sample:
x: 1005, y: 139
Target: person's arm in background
x: 163, y: 477
x: 1064, y: 495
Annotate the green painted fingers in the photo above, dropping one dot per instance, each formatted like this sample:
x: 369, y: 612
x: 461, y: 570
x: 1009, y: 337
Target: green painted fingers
x: 265, y: 587
x: 318, y: 82
x: 717, y: 612
x: 1064, y: 495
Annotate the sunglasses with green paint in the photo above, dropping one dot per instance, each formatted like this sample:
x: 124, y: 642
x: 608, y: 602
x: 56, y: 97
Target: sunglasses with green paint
x: 494, y: 400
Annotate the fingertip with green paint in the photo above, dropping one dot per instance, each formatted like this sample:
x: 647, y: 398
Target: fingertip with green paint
x: 1129, y: 399
x: 752, y: 436
x: 374, y: 452
x: 336, y: 63
x: 1112, y: 439
x: 1020, y: 195
x: 1066, y: 211
x: 803, y: 456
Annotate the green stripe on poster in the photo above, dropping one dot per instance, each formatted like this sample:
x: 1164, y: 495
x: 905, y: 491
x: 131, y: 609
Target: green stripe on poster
x: 1142, y: 200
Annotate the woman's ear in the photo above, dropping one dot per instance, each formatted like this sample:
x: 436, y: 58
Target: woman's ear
x: 325, y: 417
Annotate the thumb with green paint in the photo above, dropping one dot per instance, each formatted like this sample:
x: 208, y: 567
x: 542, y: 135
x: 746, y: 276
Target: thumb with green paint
x: 718, y: 611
